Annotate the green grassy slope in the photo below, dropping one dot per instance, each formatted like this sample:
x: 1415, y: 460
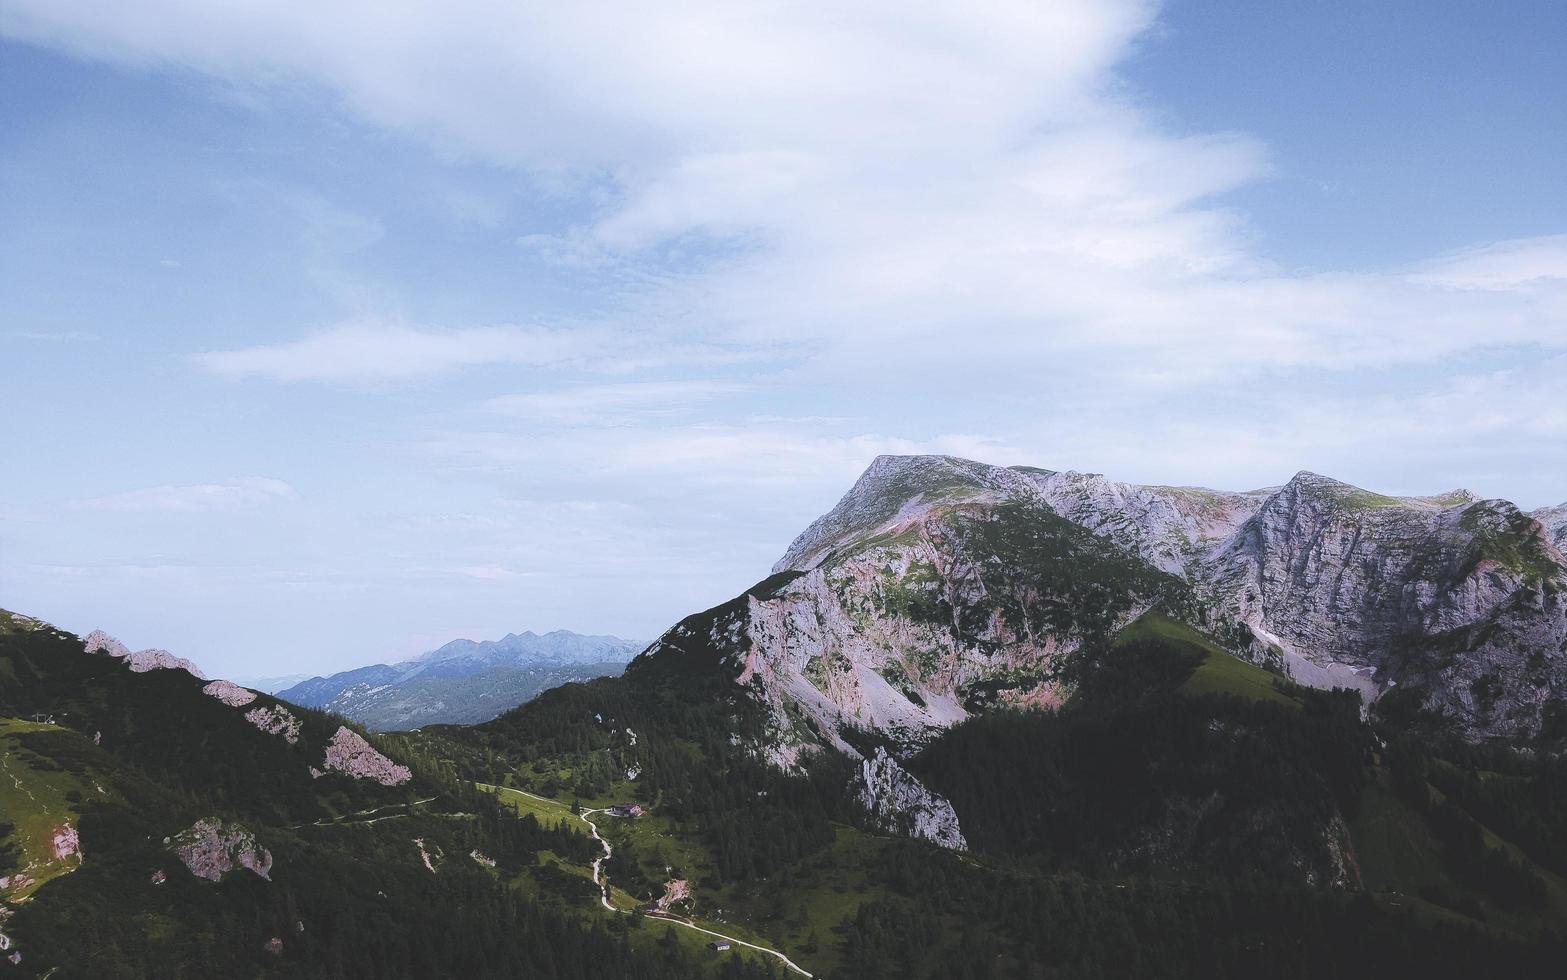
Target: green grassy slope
x: 1219, y: 672
x: 37, y: 800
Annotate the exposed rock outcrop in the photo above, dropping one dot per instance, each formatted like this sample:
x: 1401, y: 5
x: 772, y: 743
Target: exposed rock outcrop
x: 212, y: 848
x: 229, y: 693
x: 676, y: 890
x: 275, y: 720
x: 429, y: 853
x: 904, y: 805
x: 16, y: 882
x: 66, y: 843
x: 140, y: 661
x: 349, y: 753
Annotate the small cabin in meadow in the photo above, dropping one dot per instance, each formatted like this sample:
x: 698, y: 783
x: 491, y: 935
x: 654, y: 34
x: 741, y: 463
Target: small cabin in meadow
x: 626, y: 810
x: 718, y: 945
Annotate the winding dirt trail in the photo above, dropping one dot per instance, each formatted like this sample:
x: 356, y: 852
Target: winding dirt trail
x: 601, y: 879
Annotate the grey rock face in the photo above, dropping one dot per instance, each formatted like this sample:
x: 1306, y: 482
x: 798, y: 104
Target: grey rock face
x: 1554, y: 521
x: 1455, y: 598
x: 212, y: 848
x: 937, y: 580
x: 904, y: 805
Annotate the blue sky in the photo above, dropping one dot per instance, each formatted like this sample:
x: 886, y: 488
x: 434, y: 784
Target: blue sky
x: 328, y: 338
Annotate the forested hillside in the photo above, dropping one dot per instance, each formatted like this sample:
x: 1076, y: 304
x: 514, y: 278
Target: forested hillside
x: 201, y: 845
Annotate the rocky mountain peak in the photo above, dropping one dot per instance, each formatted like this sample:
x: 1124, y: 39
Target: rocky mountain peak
x: 1307, y: 485
x: 100, y: 642
x: 896, y: 489
x: 1554, y: 522
x: 1337, y: 585
x: 140, y: 661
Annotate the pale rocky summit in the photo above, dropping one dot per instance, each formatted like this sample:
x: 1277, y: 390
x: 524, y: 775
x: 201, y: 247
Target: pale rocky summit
x: 1456, y: 598
x: 938, y: 587
x: 140, y: 661
x: 212, y: 848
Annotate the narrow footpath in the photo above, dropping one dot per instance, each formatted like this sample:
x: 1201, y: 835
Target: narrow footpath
x: 601, y: 878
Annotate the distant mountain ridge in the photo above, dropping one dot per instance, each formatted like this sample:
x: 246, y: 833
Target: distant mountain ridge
x: 465, y: 681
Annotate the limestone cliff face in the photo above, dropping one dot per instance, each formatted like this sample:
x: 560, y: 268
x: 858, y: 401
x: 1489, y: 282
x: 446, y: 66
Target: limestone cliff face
x: 945, y: 606
x: 1171, y: 528
x: 904, y: 805
x: 1457, y: 598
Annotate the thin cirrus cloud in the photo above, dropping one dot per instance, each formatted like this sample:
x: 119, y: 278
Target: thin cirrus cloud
x: 1503, y: 265
x: 373, y: 352
x: 231, y: 495
x: 614, y: 403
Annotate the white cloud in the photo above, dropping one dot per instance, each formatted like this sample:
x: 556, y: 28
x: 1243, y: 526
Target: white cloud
x: 1501, y: 265
x: 194, y: 498
x: 865, y: 183
x: 367, y: 351
x: 613, y: 403
x: 372, y: 352
x: 491, y: 573
x: 721, y: 456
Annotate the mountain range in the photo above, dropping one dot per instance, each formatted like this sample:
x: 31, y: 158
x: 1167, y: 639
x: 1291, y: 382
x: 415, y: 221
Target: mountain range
x: 976, y: 722
x: 463, y: 682
x: 938, y: 587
